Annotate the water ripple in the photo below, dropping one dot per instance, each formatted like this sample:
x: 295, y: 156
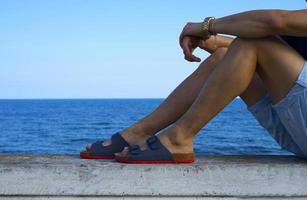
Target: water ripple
x: 65, y: 126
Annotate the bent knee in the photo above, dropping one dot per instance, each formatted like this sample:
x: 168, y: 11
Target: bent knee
x: 219, y: 54
x: 216, y: 56
x: 211, y: 61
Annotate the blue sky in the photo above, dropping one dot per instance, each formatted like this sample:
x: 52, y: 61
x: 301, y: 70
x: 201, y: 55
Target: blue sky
x: 102, y: 49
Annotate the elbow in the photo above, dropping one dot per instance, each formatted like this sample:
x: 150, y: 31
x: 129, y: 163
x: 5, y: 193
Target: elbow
x: 277, y: 21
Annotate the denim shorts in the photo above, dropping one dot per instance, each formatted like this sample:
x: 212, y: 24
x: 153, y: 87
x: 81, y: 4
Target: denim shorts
x: 286, y: 120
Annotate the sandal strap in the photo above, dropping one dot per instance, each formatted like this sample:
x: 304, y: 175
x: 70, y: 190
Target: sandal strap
x: 154, y: 143
x: 118, y: 144
x: 94, y: 144
x: 118, y: 140
x: 134, y: 150
x: 156, y: 151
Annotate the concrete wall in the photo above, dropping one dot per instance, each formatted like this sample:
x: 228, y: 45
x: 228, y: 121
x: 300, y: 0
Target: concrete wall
x: 211, y: 177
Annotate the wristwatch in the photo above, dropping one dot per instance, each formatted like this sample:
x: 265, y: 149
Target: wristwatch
x: 207, y: 25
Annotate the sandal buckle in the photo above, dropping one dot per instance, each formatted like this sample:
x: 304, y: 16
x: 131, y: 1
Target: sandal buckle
x: 153, y: 143
x: 134, y: 149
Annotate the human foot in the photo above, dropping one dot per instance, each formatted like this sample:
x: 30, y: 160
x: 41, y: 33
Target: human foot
x: 132, y: 137
x: 164, y: 148
x: 118, y: 141
x: 174, y: 141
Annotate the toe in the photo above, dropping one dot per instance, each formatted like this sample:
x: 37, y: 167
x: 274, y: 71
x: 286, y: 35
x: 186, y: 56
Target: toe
x: 105, y: 143
x: 88, y: 146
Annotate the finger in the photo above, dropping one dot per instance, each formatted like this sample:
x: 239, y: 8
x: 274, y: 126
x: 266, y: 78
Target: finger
x: 195, y: 58
x: 182, y: 34
x: 180, y: 40
x: 192, y: 58
x: 188, y: 50
x: 188, y: 58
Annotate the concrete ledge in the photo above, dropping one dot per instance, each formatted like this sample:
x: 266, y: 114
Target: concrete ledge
x: 211, y: 177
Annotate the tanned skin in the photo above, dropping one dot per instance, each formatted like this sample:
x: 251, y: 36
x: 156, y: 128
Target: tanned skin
x: 251, y: 65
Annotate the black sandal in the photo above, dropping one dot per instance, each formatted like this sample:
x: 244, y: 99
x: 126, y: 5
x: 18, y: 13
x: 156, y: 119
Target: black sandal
x: 98, y: 151
x: 157, y: 153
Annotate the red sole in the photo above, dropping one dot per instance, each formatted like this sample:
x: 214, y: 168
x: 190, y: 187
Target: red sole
x: 96, y: 157
x: 155, y: 161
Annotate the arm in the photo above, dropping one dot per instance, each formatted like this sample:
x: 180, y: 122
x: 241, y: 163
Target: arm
x: 251, y: 24
x: 210, y: 44
x: 262, y: 23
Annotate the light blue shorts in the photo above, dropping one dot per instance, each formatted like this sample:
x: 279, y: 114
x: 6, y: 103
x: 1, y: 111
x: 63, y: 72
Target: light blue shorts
x: 286, y: 120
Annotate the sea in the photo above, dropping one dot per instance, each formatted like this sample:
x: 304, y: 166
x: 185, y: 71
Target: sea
x: 65, y: 126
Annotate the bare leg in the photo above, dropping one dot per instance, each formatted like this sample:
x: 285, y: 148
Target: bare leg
x: 175, y: 105
x: 254, y: 92
x: 279, y: 66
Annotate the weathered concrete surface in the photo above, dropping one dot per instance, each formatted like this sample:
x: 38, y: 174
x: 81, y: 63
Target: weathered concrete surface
x: 223, y: 177
x: 148, y: 198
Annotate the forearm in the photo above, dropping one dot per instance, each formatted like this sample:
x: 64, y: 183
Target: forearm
x: 252, y: 24
x: 263, y: 23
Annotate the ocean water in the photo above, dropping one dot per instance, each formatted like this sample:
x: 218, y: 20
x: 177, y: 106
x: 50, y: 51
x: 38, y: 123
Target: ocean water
x: 66, y: 126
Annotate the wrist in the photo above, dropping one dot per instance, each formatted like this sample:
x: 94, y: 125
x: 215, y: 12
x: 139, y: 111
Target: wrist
x: 213, y: 26
x: 208, y: 26
x: 198, y: 29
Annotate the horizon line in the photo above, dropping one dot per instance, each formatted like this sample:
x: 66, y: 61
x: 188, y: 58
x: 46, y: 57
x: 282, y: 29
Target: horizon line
x: 84, y: 98
x: 81, y: 98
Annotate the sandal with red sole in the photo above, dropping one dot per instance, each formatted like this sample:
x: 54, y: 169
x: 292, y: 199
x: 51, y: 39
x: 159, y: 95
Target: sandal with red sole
x: 157, y: 153
x: 98, y: 151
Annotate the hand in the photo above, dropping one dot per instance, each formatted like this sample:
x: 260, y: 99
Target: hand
x: 189, y: 44
x: 194, y: 30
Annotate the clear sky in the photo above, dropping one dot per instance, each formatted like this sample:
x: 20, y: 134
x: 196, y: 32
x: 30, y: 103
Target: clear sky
x: 102, y: 49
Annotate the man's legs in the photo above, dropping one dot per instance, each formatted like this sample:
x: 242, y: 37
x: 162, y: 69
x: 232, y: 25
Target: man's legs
x: 278, y: 67
x: 175, y: 105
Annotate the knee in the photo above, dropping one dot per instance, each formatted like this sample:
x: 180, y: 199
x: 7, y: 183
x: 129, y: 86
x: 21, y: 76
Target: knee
x: 218, y: 55
x: 214, y: 58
